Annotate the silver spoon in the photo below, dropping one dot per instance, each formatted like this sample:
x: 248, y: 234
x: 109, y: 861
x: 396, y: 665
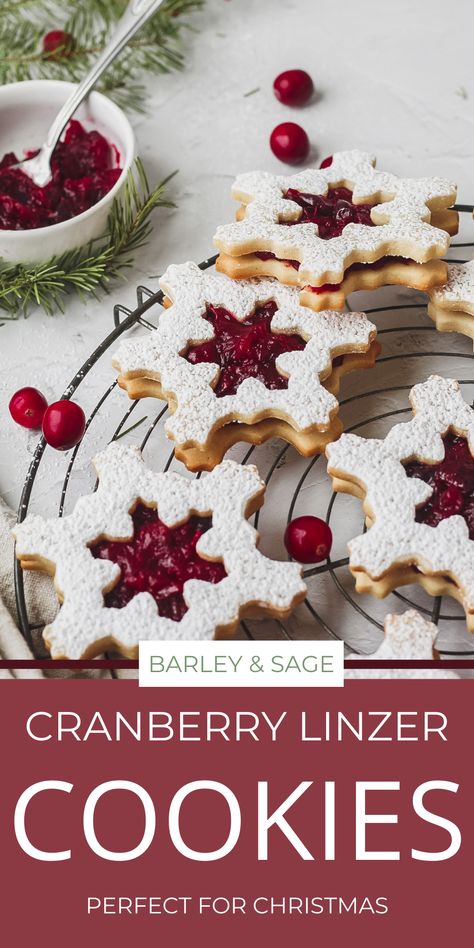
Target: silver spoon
x: 136, y: 14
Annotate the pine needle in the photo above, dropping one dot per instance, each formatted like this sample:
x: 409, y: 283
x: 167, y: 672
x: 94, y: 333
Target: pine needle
x: 89, y: 269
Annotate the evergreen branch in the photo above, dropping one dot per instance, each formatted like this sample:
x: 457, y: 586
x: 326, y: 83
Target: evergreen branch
x: 87, y: 269
x: 155, y: 49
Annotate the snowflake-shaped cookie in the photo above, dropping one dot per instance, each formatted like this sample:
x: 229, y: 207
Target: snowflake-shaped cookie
x: 396, y: 549
x: 407, y: 636
x: 452, y: 306
x: 85, y: 626
x: 394, y: 271
x: 198, y: 412
x: 402, y: 212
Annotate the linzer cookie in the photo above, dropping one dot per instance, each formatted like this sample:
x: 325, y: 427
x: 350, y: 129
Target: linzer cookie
x: 156, y: 556
x: 343, y: 227
x: 243, y: 361
x: 417, y: 486
x: 407, y: 637
x: 452, y: 306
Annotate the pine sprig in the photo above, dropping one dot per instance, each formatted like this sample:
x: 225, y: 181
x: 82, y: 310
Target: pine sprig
x: 87, y: 269
x: 155, y: 49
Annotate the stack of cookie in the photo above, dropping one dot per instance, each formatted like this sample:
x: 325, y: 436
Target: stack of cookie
x: 258, y: 349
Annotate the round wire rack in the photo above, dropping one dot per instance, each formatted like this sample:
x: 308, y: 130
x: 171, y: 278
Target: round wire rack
x: 369, y: 401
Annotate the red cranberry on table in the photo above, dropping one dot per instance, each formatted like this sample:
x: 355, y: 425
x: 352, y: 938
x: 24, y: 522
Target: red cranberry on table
x: 293, y: 87
x: 27, y: 407
x: 57, y: 43
x: 290, y: 143
x: 326, y: 162
x: 308, y: 539
x: 64, y: 424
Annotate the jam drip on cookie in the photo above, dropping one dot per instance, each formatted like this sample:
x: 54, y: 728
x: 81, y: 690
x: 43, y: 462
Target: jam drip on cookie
x: 159, y: 560
x: 452, y: 481
x: 244, y: 349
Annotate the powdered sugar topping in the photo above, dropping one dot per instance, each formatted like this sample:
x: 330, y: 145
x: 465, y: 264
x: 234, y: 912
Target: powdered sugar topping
x: 458, y: 292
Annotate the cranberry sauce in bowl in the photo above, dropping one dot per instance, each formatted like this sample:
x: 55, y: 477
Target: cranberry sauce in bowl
x: 84, y: 168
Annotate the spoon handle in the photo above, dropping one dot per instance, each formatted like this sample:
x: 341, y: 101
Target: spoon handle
x: 136, y: 14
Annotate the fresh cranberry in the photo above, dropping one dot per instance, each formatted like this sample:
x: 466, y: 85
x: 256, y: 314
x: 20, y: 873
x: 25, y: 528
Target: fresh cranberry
x: 64, y: 424
x: 308, y: 539
x: 27, y: 407
x: 158, y: 560
x: 57, y: 43
x: 290, y: 143
x: 326, y: 162
x: 293, y: 87
x: 244, y: 349
x: 452, y: 481
x: 82, y: 174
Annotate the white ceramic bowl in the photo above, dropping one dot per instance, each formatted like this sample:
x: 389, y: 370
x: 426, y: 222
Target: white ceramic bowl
x: 26, y: 111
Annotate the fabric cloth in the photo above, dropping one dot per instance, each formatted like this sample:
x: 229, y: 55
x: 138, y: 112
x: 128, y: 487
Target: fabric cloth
x: 40, y: 597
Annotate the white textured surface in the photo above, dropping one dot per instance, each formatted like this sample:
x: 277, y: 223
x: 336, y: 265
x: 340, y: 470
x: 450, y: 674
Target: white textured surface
x: 392, y: 497
x: 80, y: 578
x: 305, y: 403
x: 398, y: 86
x: 402, y: 217
x: 407, y: 636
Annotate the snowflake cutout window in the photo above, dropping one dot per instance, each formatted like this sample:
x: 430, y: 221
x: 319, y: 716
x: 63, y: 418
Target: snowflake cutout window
x: 407, y: 637
x: 400, y: 208
x: 204, y: 395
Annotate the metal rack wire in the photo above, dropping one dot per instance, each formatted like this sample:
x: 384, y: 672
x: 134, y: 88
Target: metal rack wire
x: 340, y: 589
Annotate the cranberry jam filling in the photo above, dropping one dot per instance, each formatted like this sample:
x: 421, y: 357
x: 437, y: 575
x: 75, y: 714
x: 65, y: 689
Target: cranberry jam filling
x: 332, y: 287
x: 159, y: 560
x: 452, y: 481
x: 84, y: 168
x: 244, y: 350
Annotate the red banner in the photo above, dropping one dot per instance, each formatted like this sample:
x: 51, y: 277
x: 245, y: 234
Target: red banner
x: 230, y: 816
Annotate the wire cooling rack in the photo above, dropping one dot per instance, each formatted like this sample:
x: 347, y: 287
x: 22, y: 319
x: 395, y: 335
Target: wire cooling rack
x: 412, y: 349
